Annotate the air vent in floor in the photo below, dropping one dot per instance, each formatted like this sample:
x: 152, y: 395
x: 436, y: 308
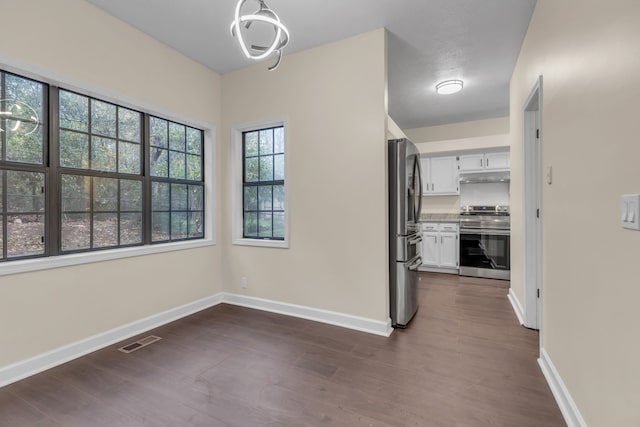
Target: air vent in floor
x: 142, y: 342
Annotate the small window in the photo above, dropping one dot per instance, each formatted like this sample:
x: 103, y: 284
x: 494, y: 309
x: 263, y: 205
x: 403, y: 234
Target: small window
x: 263, y: 184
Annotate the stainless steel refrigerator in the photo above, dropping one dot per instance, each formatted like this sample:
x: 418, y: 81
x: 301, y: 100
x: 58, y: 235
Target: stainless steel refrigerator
x: 405, y: 236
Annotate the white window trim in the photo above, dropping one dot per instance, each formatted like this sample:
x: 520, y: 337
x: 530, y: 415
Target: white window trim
x: 236, y: 187
x: 210, y: 152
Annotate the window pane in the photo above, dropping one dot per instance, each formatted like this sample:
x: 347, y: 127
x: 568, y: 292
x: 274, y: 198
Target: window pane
x: 278, y: 167
x: 158, y: 132
x: 160, y: 196
x: 194, y: 167
x: 278, y: 225
x: 178, y: 197
x: 105, y: 195
x: 179, y: 225
x: 196, y: 198
x: 128, y: 158
x: 176, y: 165
x: 74, y: 150
x: 264, y: 225
x: 266, y: 142
x: 194, y: 141
x: 103, y: 118
x: 177, y: 137
x: 278, y: 197
x: 266, y: 168
x: 251, y: 144
x: 74, y: 111
x: 278, y: 140
x: 75, y: 232
x: 130, y: 195
x: 129, y: 124
x: 250, y: 224
x: 24, y: 141
x: 196, y: 224
x: 76, y: 193
x: 160, y: 226
x: 25, y: 234
x: 25, y: 192
x: 130, y: 228
x: 105, y: 230
x: 264, y: 198
x: 251, y: 167
x: 28, y: 92
x: 251, y: 198
x: 159, y: 162
x: 103, y: 154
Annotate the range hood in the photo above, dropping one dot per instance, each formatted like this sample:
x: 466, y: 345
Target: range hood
x: 484, y: 177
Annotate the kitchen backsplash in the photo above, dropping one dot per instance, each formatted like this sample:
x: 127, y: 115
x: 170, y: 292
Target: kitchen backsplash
x: 440, y: 204
x: 484, y: 194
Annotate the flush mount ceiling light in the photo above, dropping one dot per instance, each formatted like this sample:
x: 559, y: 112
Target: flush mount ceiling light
x: 264, y: 15
x: 448, y: 87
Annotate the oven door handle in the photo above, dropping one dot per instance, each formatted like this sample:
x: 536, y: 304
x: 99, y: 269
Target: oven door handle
x: 485, y: 231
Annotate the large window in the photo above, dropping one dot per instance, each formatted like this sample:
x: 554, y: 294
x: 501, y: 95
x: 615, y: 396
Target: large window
x: 80, y: 174
x: 263, y: 184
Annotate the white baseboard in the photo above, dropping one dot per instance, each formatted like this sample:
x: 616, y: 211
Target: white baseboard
x: 517, y: 308
x: 568, y: 407
x: 42, y: 362
x: 348, y: 321
x: 25, y: 368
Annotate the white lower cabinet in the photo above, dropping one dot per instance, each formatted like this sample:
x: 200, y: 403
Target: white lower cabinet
x: 440, y: 246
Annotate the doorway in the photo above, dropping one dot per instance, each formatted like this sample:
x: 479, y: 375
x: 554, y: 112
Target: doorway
x: 533, y: 212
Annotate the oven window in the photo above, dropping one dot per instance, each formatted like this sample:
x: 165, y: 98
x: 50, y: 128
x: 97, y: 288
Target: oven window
x: 485, y: 251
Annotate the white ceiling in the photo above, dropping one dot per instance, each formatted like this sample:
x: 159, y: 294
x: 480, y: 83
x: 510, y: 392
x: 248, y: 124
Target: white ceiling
x: 477, y: 41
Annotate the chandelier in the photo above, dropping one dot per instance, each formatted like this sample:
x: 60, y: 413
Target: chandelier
x: 264, y: 15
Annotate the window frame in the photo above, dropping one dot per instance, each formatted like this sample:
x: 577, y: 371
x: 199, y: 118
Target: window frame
x: 237, y: 141
x: 50, y: 260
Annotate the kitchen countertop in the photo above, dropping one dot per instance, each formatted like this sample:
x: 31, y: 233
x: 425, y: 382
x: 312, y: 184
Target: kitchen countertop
x: 439, y: 217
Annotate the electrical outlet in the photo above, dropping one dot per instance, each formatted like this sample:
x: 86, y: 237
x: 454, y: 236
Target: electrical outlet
x: 243, y: 282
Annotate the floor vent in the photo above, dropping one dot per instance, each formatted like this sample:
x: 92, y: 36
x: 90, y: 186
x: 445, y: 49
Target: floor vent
x: 142, y: 342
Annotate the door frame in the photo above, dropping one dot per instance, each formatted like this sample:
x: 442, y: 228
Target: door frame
x: 533, y: 208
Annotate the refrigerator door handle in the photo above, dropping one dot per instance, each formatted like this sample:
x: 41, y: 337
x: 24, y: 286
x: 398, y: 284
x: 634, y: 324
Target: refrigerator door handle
x: 417, y: 263
x: 416, y: 240
x: 417, y: 174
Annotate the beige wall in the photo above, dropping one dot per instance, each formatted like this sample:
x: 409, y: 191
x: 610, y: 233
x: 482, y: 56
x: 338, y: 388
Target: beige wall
x: 334, y: 99
x: 73, y: 41
x: 588, y: 53
x: 460, y: 130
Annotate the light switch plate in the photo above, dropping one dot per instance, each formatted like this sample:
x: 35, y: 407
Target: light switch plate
x: 630, y: 211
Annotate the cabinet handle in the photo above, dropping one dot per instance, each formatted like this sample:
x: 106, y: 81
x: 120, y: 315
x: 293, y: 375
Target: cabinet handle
x: 487, y: 162
x: 435, y: 239
x: 480, y: 162
x: 433, y: 187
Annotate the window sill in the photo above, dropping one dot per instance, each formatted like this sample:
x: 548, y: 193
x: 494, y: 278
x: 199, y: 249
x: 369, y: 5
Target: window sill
x: 282, y: 244
x: 46, y: 263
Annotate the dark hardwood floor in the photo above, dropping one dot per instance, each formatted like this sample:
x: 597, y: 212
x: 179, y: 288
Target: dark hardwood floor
x: 463, y: 361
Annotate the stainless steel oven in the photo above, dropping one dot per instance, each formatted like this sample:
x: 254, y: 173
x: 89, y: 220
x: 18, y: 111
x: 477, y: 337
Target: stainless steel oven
x: 485, y: 242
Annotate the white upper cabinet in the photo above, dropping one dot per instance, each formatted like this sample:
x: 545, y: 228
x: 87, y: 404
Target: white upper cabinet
x: 440, y: 176
x: 494, y: 161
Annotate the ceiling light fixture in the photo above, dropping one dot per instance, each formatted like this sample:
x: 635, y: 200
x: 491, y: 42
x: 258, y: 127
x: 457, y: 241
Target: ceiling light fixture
x: 265, y: 15
x: 448, y: 87
x: 18, y: 115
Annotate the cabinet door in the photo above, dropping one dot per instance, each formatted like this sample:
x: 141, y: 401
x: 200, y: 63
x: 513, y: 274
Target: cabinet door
x: 444, y: 175
x: 448, y: 250
x: 426, y: 172
x: 430, y: 248
x: 472, y: 162
x: 497, y: 160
